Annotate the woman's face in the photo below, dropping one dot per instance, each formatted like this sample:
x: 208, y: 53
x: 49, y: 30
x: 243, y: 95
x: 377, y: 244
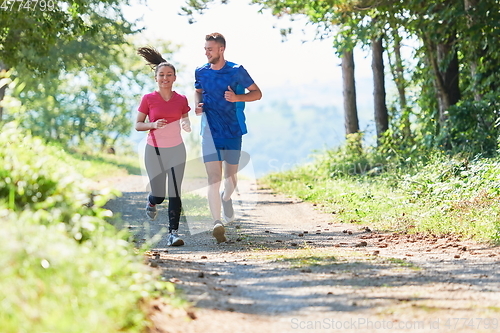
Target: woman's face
x: 165, y: 77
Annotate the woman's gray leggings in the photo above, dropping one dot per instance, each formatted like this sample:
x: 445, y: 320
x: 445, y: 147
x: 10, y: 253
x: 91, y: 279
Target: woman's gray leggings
x: 162, y: 165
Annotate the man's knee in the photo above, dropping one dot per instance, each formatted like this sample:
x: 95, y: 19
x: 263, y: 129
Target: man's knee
x: 231, y: 171
x: 214, y: 173
x: 214, y: 179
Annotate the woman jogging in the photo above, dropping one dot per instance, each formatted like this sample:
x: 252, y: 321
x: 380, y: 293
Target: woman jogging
x: 165, y: 155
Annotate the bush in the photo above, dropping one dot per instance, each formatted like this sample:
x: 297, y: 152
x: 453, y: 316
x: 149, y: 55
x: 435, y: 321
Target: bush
x: 348, y: 160
x: 471, y: 127
x: 64, y: 267
x: 442, y: 195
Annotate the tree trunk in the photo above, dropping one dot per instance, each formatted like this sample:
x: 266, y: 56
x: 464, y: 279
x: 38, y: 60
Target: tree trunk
x: 451, y: 72
x: 400, y: 82
x: 380, y: 107
x: 469, y: 5
x: 448, y: 91
x: 350, y: 107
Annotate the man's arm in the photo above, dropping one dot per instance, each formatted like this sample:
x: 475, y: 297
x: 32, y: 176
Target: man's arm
x: 253, y: 94
x: 198, y: 101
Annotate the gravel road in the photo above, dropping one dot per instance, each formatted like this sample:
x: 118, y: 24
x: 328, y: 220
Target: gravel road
x: 289, y: 267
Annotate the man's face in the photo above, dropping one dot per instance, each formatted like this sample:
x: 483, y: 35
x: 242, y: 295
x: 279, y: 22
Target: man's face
x: 213, y: 51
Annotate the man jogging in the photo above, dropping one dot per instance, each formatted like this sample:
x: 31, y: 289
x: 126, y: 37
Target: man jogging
x: 222, y: 87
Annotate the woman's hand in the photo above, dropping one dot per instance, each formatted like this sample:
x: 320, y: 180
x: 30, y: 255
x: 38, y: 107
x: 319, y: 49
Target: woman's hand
x: 160, y: 123
x: 186, y: 125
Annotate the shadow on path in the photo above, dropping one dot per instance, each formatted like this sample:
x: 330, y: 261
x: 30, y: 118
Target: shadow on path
x: 284, y: 258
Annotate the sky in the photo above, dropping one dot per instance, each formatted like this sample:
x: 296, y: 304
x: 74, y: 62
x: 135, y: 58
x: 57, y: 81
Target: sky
x: 301, y: 71
x: 253, y: 40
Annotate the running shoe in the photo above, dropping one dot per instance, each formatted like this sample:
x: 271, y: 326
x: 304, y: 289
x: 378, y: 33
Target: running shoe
x: 151, y: 211
x: 227, y: 208
x: 174, y: 239
x: 219, y: 232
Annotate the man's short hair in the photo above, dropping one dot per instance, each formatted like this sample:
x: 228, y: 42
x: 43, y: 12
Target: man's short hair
x: 219, y: 38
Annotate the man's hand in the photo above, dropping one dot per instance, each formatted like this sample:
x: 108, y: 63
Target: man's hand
x: 199, y: 109
x: 229, y: 95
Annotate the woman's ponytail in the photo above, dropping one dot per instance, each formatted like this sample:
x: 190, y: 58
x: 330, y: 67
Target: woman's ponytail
x: 152, y: 56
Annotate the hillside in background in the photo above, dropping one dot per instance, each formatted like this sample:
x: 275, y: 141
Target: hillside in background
x: 291, y: 123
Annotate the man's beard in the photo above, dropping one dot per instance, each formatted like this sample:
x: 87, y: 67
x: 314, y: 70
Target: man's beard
x: 214, y: 60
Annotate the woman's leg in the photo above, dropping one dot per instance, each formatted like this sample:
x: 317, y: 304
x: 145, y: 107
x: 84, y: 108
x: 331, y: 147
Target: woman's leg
x: 176, y: 167
x: 156, y: 173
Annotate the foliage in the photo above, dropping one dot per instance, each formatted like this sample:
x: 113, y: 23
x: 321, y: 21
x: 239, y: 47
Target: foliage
x: 74, y: 73
x: 35, y: 179
x: 472, y: 127
x: 97, y: 166
x: 65, y: 268
x: 90, y: 105
x: 33, y: 33
x: 352, y: 159
x: 437, y: 195
x: 440, y: 31
x: 347, y: 160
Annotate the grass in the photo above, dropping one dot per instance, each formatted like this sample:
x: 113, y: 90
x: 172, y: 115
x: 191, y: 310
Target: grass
x: 65, y: 268
x: 195, y: 206
x: 304, y: 258
x: 442, y: 196
x: 308, y: 261
x: 100, y: 165
x: 196, y: 213
x: 403, y: 263
x: 49, y: 282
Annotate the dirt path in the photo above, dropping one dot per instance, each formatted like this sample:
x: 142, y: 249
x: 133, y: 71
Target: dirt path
x: 290, y: 268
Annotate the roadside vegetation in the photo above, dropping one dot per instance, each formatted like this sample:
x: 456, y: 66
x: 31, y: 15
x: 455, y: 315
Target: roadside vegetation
x: 422, y: 192
x: 434, y: 165
x: 65, y: 268
x: 73, y: 78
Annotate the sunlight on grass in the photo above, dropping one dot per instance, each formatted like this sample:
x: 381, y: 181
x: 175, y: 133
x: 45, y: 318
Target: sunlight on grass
x: 441, y: 197
x: 195, y: 207
x: 304, y: 258
x: 402, y: 263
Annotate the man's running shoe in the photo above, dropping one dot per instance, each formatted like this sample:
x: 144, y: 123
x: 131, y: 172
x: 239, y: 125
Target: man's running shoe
x: 219, y: 232
x: 227, y: 208
x: 174, y: 239
x: 151, y: 211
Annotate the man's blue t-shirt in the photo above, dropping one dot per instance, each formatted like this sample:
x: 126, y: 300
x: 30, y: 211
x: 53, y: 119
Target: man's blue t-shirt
x: 224, y: 119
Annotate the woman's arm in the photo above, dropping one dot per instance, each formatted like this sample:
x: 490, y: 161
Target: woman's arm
x: 141, y: 125
x: 186, y: 123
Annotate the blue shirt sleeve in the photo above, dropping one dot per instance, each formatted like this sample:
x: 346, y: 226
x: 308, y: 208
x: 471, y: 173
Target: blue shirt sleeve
x: 244, y: 78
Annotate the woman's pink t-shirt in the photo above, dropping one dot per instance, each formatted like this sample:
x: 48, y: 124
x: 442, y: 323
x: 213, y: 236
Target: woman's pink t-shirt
x: 155, y: 107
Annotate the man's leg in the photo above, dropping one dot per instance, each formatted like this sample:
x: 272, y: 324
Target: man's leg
x: 214, y: 173
x: 231, y: 157
x: 230, y: 180
x: 230, y: 183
